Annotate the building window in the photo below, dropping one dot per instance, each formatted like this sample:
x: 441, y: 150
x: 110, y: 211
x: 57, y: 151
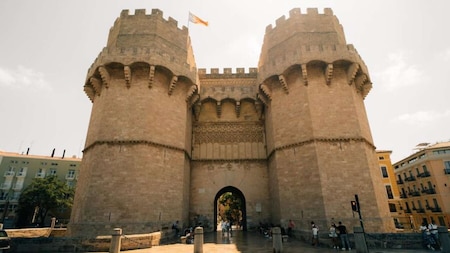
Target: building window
x: 392, y: 208
x: 52, y: 172
x: 381, y: 158
x: 389, y: 192
x: 447, y: 167
x: 384, y: 171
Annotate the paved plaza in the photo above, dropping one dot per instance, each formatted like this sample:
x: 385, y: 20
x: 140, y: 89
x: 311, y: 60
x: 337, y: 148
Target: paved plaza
x: 253, y: 242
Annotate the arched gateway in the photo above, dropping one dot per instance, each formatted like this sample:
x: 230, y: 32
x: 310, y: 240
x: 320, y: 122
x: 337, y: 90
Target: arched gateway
x: 242, y: 219
x: 166, y: 138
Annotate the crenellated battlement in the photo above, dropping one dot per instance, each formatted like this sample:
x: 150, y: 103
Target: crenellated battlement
x: 252, y: 72
x: 297, y: 14
x: 155, y: 14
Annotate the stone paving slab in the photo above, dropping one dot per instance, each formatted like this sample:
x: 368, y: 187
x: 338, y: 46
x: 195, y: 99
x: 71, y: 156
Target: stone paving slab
x: 250, y: 242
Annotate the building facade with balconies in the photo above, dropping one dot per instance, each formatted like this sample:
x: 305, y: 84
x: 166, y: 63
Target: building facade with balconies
x: 390, y: 185
x: 423, y: 181
x: 17, y: 171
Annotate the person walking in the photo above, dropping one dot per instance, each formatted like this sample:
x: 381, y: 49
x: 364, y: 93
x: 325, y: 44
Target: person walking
x: 334, y: 236
x: 315, y: 234
x: 345, y: 243
x: 291, y: 227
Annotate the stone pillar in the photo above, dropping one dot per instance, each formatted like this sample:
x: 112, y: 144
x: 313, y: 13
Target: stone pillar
x: 276, y: 239
x: 52, y: 226
x: 444, y: 238
x: 115, y: 241
x: 360, y: 240
x: 198, y: 240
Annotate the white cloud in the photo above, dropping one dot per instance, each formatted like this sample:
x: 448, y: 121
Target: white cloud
x: 23, y: 78
x: 399, y: 73
x: 446, y: 55
x: 421, y: 118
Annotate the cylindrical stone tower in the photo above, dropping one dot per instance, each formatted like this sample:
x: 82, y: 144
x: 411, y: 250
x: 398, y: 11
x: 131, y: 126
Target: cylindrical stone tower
x: 319, y: 144
x: 135, y: 168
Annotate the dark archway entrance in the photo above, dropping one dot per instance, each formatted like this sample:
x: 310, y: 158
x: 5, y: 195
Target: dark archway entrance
x: 235, y: 191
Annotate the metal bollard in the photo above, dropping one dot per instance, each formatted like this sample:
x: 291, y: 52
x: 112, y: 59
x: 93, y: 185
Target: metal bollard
x: 276, y: 240
x: 116, y: 241
x: 445, y: 239
x: 198, y: 240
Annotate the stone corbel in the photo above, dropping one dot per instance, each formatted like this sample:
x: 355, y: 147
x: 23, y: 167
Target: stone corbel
x: 89, y: 90
x: 283, y: 83
x: 304, y: 74
x: 238, y: 108
x: 219, y: 109
x: 151, y: 76
x: 197, y: 109
x: 172, y: 85
x: 127, y: 75
x: 266, y: 90
x: 351, y: 72
x: 104, y: 75
x: 191, y: 92
x: 96, y: 84
x: 263, y: 99
x: 329, y: 73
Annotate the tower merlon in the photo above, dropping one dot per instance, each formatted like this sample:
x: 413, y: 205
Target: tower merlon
x: 227, y: 71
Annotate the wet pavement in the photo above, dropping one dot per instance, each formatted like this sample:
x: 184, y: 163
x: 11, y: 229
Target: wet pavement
x: 252, y: 242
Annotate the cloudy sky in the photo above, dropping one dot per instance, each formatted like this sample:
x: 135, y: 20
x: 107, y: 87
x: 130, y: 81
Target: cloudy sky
x: 46, y: 47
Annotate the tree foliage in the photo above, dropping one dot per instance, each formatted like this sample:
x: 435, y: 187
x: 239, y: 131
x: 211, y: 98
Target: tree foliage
x: 231, y: 207
x: 42, y: 196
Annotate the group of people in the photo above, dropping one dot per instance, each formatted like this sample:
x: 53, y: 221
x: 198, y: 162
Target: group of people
x: 430, y: 235
x: 336, y: 233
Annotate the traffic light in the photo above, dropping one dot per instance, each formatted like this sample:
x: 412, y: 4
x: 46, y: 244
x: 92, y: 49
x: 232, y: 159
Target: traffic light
x: 354, y: 206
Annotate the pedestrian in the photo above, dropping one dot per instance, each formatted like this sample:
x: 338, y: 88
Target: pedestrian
x: 428, y: 240
x: 334, y: 236
x: 176, y: 228
x: 433, y: 228
x: 345, y: 243
x: 291, y: 227
x: 315, y: 234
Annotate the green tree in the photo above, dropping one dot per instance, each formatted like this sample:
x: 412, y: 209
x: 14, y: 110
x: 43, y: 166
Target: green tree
x: 231, y: 207
x: 42, y: 196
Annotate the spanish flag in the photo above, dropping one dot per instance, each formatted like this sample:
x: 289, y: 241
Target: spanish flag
x: 196, y: 20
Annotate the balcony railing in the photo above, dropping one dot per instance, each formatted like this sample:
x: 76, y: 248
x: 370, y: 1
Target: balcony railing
x: 410, y: 178
x: 9, y: 173
x: 408, y: 210
x: 400, y: 181
x: 436, y: 209
x: 403, y: 196
x: 40, y: 175
x: 424, y: 174
x: 414, y: 193
x: 21, y: 174
x: 429, y: 191
x: 420, y: 210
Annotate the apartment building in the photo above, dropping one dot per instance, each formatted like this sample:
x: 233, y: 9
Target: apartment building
x: 423, y: 181
x: 390, y: 185
x: 18, y: 170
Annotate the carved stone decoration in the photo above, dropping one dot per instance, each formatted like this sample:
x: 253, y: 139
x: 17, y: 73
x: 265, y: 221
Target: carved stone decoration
x: 329, y: 73
x: 304, y: 74
x: 360, y: 80
x: 104, y: 75
x: 351, y: 72
x: 219, y: 109
x: 127, y: 75
x: 172, y: 85
x: 191, y: 92
x: 151, y: 76
x: 238, y: 108
x: 228, y: 132
x: 263, y: 99
x: 283, y: 83
x: 96, y: 84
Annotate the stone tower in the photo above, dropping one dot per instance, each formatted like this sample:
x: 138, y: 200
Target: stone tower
x: 291, y: 138
x: 320, y: 151
x: 136, y: 162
